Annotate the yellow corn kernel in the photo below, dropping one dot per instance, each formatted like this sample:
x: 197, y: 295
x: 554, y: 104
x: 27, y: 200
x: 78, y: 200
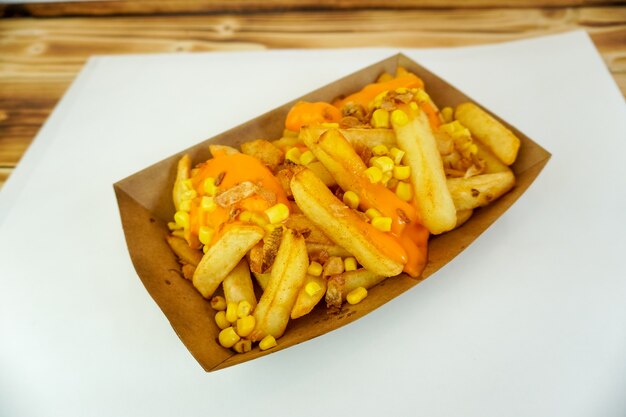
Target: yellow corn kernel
x: 205, y: 248
x: 209, y: 186
x: 330, y: 125
x: 384, y: 163
x: 349, y: 264
x: 208, y: 204
x: 413, y: 105
x: 173, y: 226
x: 372, y: 160
x: 260, y: 219
x: 356, y: 295
x: 228, y: 337
x: 243, y: 309
x: 189, y: 195
x: 386, y: 177
x: 205, y: 234
x: 307, y: 157
x: 401, y: 172
x: 380, y: 118
x: 220, y: 319
x: 372, y: 213
x: 399, y: 117
x: 447, y: 114
x: 312, y: 288
x: 351, y: 199
x: 378, y: 99
x: 267, y: 342
x: 384, y: 77
x: 422, y: 95
x: 404, y: 191
x: 182, y: 219
x: 179, y: 233
x: 473, y: 149
x: 374, y: 174
x: 315, y: 269
x: 277, y: 213
x: 382, y: 223
x: 397, y: 155
x: 380, y: 150
x: 231, y: 312
x: 401, y: 90
x: 185, y: 205
x: 293, y: 155
x: 243, y: 346
x: 218, y: 303
x: 245, y: 325
x: 245, y: 216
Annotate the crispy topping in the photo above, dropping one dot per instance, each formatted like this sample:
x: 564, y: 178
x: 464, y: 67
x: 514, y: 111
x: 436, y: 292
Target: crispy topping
x: 236, y: 194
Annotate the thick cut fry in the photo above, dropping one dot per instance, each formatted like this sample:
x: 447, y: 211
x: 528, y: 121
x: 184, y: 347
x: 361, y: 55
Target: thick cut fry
x: 314, y: 249
x: 478, y: 191
x: 462, y: 216
x: 427, y: 175
x: 264, y: 151
x: 222, y: 149
x: 262, y: 279
x: 183, y: 251
x: 492, y: 163
x: 308, y: 229
x: 338, y: 286
x: 224, y: 255
x: 373, y: 249
x: 322, y: 173
x: 362, y: 136
x: 238, y: 285
x: 307, y: 298
x: 287, y: 277
x: 183, y: 170
x: 502, y: 142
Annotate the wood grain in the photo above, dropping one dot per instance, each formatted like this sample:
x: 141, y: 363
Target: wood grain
x: 39, y: 58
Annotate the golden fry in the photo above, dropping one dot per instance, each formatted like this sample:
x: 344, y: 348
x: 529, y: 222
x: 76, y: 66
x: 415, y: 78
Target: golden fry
x: 361, y: 136
x: 478, y: 191
x: 183, y: 251
x: 264, y: 151
x: 287, y: 277
x: 502, y: 142
x: 308, y: 297
x: 322, y: 173
x: 238, y: 285
x: 304, y: 226
x: 227, y: 150
x: 338, y: 286
x: 462, y: 216
x: 183, y: 169
x: 262, y: 279
x: 492, y: 163
x: 223, y: 256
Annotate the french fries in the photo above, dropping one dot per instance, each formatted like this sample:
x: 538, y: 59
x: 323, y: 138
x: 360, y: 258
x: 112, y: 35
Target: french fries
x: 309, y: 295
x: 223, y: 256
x: 478, y: 191
x: 340, y: 285
x: 502, y: 142
x: 360, y: 136
x: 238, y: 285
x: 183, y: 169
x: 264, y: 151
x: 429, y: 181
x: 287, y: 277
x: 186, y: 254
x: 343, y: 226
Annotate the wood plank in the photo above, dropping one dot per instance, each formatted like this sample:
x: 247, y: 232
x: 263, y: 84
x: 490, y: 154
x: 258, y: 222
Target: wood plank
x: 152, y: 7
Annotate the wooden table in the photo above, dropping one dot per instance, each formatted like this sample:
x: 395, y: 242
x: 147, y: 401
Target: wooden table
x: 43, y: 46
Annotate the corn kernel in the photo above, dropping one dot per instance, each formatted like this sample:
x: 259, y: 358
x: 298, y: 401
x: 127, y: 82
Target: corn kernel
x: 179, y: 233
x: 401, y: 90
x: 245, y: 216
x: 404, y: 191
x: 189, y: 195
x: 173, y: 226
x: 382, y: 223
x: 209, y: 186
x: 208, y: 204
x: 384, y: 163
x: 243, y: 309
x: 205, y: 248
x: 307, y: 157
x: 220, y: 319
x: 422, y: 95
x: 277, y: 213
x: 293, y: 155
x: 380, y: 118
x: 267, y: 342
x: 349, y: 264
x: 185, y: 205
x: 413, y: 105
x: 218, y: 303
x: 205, y: 234
x: 315, y: 269
x: 386, y: 177
x: 400, y: 118
x: 260, y: 219
x: 312, y: 288
x: 380, y: 150
x: 182, y: 219
x: 378, y: 99
x: 231, y: 312
x: 473, y: 149
x: 245, y: 325
x: 372, y: 213
x: 243, y: 346
x: 447, y: 114
x: 397, y: 155
x: 374, y: 174
x: 351, y: 199
x: 356, y: 295
x: 372, y: 160
x: 228, y: 337
x: 401, y: 172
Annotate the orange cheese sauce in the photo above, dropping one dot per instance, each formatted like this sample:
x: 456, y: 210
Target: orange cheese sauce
x: 309, y: 114
x: 237, y: 169
x: 370, y: 91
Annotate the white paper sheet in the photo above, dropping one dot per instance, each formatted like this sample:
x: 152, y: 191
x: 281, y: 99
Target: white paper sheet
x: 528, y: 321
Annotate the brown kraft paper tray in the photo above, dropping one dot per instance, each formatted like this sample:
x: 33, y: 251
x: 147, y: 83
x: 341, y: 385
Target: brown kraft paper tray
x: 145, y: 205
